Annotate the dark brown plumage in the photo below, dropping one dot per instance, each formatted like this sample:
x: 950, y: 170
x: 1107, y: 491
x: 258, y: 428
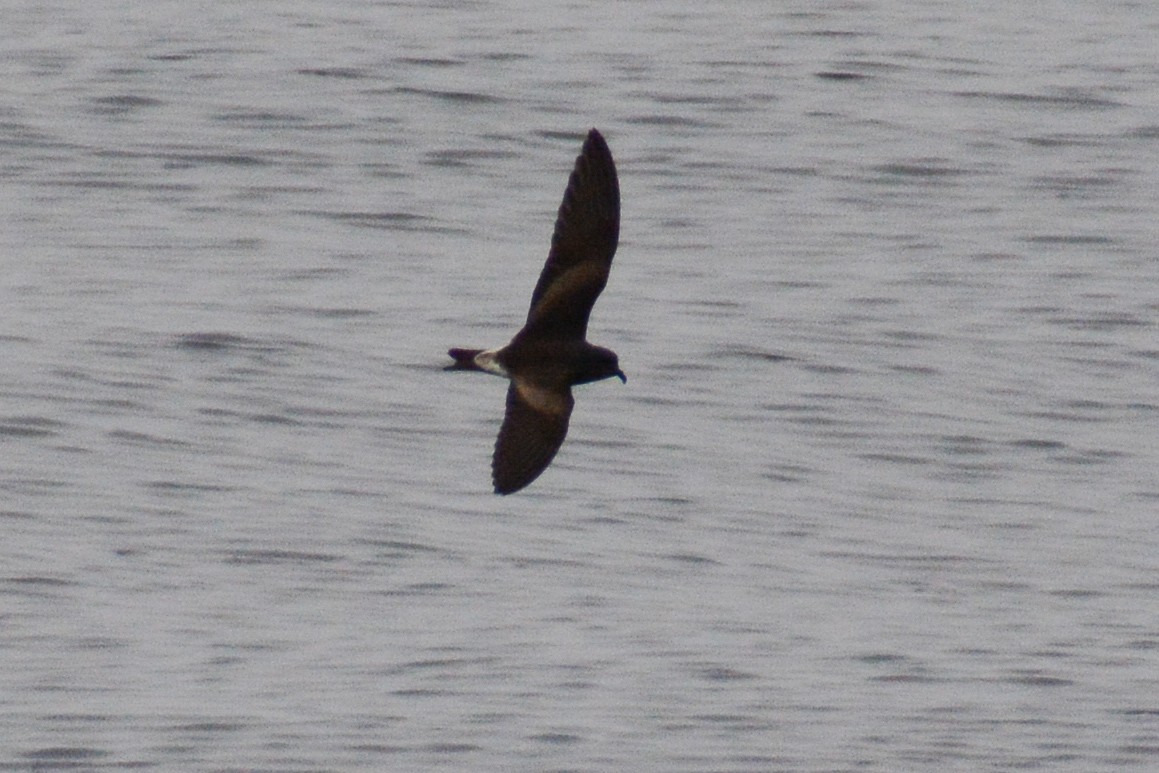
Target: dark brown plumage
x: 550, y: 354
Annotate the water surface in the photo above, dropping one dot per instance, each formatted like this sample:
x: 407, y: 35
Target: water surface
x: 879, y: 494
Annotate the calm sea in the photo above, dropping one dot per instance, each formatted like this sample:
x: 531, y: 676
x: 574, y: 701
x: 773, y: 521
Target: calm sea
x: 881, y: 492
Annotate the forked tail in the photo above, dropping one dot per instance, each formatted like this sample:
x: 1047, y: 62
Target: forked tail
x: 464, y: 359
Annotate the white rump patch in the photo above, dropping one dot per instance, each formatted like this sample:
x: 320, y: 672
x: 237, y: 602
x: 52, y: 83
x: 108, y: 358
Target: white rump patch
x: 489, y: 362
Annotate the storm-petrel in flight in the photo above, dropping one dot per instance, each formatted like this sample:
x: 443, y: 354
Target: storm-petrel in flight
x: 550, y: 354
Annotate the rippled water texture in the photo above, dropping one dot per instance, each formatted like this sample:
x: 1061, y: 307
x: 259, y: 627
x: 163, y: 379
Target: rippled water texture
x: 880, y: 493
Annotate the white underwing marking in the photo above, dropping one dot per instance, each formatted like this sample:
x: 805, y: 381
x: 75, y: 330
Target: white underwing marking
x: 582, y: 279
x: 543, y: 399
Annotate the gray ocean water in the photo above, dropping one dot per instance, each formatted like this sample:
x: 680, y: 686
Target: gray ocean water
x: 881, y: 491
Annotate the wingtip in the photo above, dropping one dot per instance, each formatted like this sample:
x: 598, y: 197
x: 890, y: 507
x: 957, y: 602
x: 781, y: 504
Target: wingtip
x: 594, y: 136
x: 503, y: 488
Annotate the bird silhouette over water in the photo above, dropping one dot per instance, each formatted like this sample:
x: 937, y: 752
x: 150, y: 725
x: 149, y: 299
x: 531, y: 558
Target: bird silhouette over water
x: 551, y: 354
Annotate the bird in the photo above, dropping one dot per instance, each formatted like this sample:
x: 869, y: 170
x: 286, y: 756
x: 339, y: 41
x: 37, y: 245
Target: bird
x: 551, y: 354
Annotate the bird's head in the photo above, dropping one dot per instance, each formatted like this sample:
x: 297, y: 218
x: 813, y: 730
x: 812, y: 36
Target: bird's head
x: 600, y: 363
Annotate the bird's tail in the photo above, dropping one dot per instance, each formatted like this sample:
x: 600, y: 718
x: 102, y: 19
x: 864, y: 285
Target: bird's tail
x: 464, y: 359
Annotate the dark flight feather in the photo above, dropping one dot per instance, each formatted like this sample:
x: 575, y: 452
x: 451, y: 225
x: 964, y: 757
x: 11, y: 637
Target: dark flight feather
x: 534, y: 427
x: 587, y: 229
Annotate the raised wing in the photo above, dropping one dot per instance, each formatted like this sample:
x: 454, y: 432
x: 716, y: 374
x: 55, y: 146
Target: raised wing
x: 533, y: 430
x: 587, y: 230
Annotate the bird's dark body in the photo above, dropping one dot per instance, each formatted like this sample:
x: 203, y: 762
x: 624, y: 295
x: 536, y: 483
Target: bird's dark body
x: 551, y: 354
x: 572, y: 362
